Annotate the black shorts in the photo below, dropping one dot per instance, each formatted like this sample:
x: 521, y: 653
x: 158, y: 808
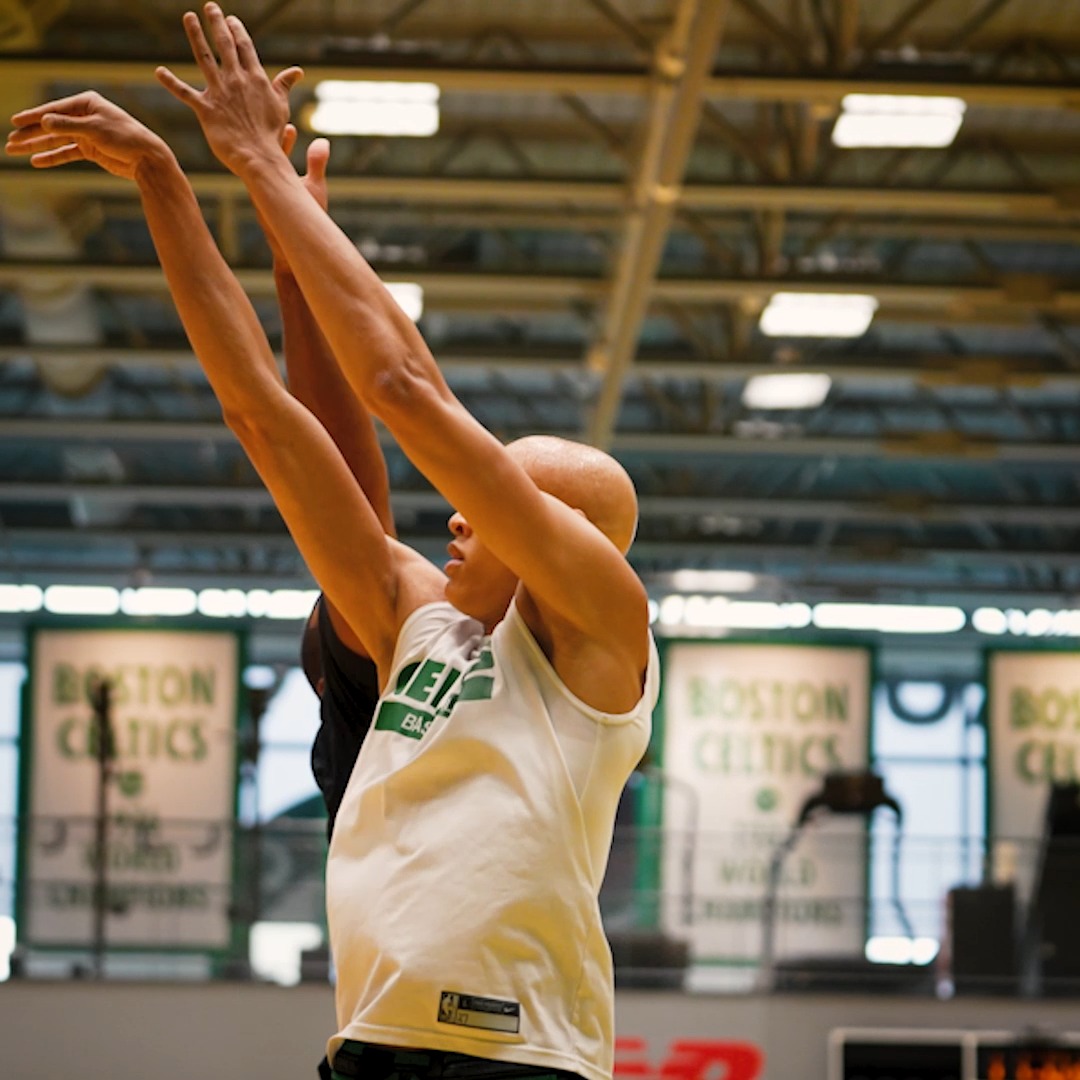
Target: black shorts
x: 367, y: 1061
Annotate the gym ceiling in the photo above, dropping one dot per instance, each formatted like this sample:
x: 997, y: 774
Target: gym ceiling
x: 616, y: 190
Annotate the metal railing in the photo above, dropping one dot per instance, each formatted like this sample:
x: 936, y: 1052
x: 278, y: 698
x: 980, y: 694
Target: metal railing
x: 843, y: 909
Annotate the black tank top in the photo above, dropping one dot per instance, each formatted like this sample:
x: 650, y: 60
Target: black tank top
x: 350, y: 694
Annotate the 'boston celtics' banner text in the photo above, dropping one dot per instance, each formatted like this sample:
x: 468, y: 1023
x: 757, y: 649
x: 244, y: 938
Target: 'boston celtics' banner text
x: 170, y: 800
x: 749, y: 732
x: 1033, y: 710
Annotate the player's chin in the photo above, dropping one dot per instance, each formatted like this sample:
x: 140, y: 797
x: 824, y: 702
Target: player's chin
x: 459, y: 598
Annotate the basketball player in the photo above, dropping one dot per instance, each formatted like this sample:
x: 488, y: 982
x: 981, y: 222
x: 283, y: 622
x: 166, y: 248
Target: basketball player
x: 517, y: 685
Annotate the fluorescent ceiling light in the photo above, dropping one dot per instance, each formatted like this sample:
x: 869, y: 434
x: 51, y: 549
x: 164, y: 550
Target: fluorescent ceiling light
x: 1036, y: 623
x: 20, y: 598
x: 156, y: 601
x: 671, y: 610
x: 798, y: 615
x: 375, y: 108
x: 893, y: 120
x: 826, y: 315
x: 291, y: 603
x: 82, y: 600
x: 718, y: 613
x: 223, y: 603
x: 789, y: 391
x: 281, y: 603
x: 720, y: 581
x: 890, y: 618
x: 988, y: 620
x: 764, y: 615
x: 1066, y: 623
x: 409, y: 297
x: 257, y: 602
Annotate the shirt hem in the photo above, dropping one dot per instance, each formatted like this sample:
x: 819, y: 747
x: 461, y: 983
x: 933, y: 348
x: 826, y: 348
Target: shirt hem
x: 517, y: 1053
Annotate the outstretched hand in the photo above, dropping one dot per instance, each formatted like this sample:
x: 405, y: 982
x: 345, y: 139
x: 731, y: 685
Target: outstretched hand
x: 242, y: 111
x: 314, y: 180
x: 86, y: 127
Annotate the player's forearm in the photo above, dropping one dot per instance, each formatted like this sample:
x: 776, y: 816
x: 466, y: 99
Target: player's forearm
x: 218, y: 317
x: 316, y: 380
x: 373, y: 340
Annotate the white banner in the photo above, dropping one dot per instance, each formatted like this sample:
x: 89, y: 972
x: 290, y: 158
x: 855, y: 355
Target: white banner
x: 171, y: 797
x: 1033, y: 713
x: 749, y: 732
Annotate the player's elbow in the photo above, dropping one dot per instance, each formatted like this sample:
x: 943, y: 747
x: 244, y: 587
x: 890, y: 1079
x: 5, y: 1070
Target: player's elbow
x: 400, y: 390
x: 240, y: 419
x: 256, y: 423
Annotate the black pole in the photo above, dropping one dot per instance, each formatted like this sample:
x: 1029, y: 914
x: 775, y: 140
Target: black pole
x: 258, y: 700
x: 105, y: 752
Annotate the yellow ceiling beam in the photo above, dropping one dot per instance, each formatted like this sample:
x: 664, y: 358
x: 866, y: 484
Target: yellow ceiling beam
x: 764, y: 88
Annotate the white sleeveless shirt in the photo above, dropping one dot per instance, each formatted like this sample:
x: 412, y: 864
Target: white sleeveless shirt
x: 468, y: 853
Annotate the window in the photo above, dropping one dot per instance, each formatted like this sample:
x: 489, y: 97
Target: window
x: 929, y: 744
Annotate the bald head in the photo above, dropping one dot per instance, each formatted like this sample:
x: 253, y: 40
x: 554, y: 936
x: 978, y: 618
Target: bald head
x: 584, y: 478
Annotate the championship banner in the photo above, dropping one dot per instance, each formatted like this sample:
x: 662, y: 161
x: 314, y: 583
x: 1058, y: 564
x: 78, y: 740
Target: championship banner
x: 170, y: 798
x: 1033, y: 714
x: 749, y: 732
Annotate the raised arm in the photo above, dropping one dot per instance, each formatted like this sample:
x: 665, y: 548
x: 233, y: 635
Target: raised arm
x: 316, y: 379
x: 313, y: 372
x: 324, y: 508
x: 566, y: 564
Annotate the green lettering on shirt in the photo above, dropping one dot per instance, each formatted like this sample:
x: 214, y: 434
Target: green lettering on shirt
x: 414, y: 703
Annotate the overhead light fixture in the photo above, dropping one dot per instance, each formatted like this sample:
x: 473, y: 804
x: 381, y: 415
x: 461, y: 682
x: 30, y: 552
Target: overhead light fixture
x: 786, y: 391
x: 223, y: 603
x: 291, y: 603
x: 898, y: 120
x: 987, y: 620
x: 822, y: 315
x: 82, y: 600
x: 765, y: 615
x: 158, y: 601
x: 716, y: 581
x: 344, y: 107
x: 408, y: 296
x: 698, y: 612
x: 1039, y: 622
x: 890, y: 618
x: 20, y: 599
x: 281, y: 603
x: 257, y: 603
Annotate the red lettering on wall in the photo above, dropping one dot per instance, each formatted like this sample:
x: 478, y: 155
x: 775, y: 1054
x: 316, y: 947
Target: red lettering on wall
x: 690, y: 1059
x: 633, y: 1063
